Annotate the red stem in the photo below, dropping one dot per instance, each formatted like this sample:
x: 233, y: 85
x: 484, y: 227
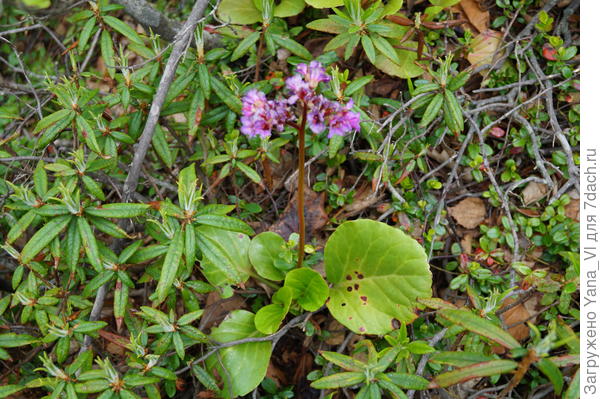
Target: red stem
x: 300, y: 192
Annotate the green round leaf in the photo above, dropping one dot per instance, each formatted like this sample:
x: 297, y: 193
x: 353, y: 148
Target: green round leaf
x: 378, y: 273
x: 309, y: 289
x: 246, y: 364
x: 269, y: 318
x: 264, y: 251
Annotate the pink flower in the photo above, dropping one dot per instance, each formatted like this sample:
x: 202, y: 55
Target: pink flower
x: 313, y: 73
x: 344, y: 120
x: 261, y: 116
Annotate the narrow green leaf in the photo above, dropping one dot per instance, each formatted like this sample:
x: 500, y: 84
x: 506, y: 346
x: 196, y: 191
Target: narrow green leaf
x: 178, y: 344
x: 459, y: 359
x: 92, y: 386
x: 478, y: 325
x: 573, y: 390
x: 478, y: 370
x: 337, y: 42
x: 432, y: 110
x: 89, y: 326
x: 10, y: 389
x: 93, y: 187
x: 458, y: 81
x: 123, y: 29
x: 339, y: 380
x: 190, y: 246
x: 43, y: 237
x: 205, y: 378
x: 108, y: 227
x: 553, y: 373
x: 204, y: 80
x: 452, y: 107
x: 86, y: 33
x: 40, y: 179
x: 385, y: 48
x: 161, y: 146
x: 13, y: 340
x: 326, y: 25
x: 95, y: 283
x: 248, y: 171
x: 293, y: 46
x: 345, y: 362
x: 52, y: 119
x: 108, y: 52
x: 223, y: 92
x: 117, y: 210
x: 245, y: 45
x: 170, y: 267
x: 225, y: 223
x: 73, y: 245
x: 89, y: 243
x: 357, y: 84
x: 408, y: 381
x: 425, y: 88
x: 367, y: 44
x: 22, y: 224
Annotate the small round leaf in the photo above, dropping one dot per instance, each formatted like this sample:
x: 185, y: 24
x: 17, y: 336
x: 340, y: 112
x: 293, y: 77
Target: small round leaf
x: 264, y: 251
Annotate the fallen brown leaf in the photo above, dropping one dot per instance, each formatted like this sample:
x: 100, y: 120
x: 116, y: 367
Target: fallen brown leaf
x: 217, y: 308
x: 337, y: 333
x: 534, y: 192
x: 519, y: 314
x: 485, y: 48
x: 479, y: 18
x: 469, y: 213
x: 315, y: 216
x: 572, y: 208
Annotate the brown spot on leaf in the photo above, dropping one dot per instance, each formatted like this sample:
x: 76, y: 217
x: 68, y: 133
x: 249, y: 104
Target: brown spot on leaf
x: 361, y: 329
x: 360, y: 276
x: 356, y: 286
x: 343, y: 303
x: 363, y: 298
x: 348, y: 277
x: 349, y: 289
x: 395, y: 324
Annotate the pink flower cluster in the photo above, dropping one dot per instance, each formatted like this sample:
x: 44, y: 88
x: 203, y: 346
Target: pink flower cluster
x: 261, y: 116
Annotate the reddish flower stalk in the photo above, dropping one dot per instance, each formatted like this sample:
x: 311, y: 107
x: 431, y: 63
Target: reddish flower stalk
x: 260, y: 116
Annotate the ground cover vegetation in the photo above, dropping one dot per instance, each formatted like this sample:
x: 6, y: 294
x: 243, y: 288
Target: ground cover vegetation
x: 295, y: 198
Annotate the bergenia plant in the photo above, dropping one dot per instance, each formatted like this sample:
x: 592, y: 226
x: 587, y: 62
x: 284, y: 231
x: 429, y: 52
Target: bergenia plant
x: 301, y: 106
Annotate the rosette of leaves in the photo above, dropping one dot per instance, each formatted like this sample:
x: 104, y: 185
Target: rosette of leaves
x: 353, y: 26
x: 192, y: 229
x: 439, y: 97
x: 371, y: 375
x: 172, y: 331
x: 304, y: 288
x: 109, y: 383
x: 272, y: 32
